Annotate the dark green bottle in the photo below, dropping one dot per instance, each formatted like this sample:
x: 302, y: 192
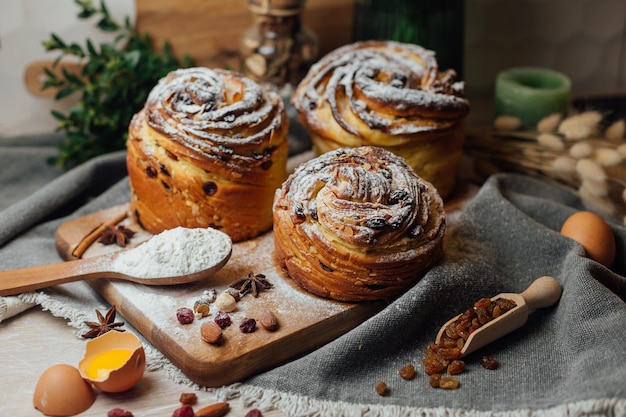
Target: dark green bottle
x: 437, y: 25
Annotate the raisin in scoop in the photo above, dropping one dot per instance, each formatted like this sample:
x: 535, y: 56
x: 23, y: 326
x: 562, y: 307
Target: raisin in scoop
x: 491, y: 318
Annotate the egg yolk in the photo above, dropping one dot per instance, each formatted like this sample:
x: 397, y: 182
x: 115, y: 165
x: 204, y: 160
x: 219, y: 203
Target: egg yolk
x: 108, y: 361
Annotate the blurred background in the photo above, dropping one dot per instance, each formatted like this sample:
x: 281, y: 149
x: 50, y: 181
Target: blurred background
x: 585, y: 39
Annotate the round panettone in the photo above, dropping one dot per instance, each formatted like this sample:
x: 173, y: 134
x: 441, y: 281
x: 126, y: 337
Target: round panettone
x: 391, y: 95
x: 208, y: 149
x: 357, y: 224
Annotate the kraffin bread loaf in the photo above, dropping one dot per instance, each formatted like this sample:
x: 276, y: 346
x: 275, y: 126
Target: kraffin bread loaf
x: 208, y: 150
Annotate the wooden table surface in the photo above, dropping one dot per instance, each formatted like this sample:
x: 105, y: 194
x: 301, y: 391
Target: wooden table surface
x: 35, y: 340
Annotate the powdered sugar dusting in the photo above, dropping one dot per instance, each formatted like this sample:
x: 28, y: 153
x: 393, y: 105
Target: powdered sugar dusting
x: 388, y: 85
x: 206, y: 107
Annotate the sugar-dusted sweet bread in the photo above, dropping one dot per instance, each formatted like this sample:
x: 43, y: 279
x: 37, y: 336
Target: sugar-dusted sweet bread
x: 208, y: 149
x: 357, y: 224
x: 387, y: 94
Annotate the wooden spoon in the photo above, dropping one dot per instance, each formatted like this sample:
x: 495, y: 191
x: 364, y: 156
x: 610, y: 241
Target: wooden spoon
x: 543, y: 292
x: 32, y: 278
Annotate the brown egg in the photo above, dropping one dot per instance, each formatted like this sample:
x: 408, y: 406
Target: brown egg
x: 593, y: 234
x: 113, y: 362
x: 62, y: 391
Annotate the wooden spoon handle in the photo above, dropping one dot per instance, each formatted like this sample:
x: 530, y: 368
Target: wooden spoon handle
x: 544, y: 292
x: 36, y: 277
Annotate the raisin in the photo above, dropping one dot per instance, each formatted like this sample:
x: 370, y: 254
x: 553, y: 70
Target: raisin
x: 382, y: 389
x: 400, y: 196
x: 171, y: 155
x: 434, y: 365
x: 222, y: 319
x: 417, y: 231
x: 266, y: 165
x: 456, y: 367
x: 151, y: 172
x: 377, y: 223
x: 118, y: 412
x: 326, y: 267
x: 188, y: 398
x: 398, y: 80
x: 164, y: 170
x: 483, y: 302
x: 449, y: 354
x: 407, y: 372
x: 449, y: 382
x: 434, y: 380
x: 255, y: 412
x: 185, y: 411
x: 299, y: 211
x: 247, y: 325
x: 184, y: 315
x: 488, y: 362
x: 209, y: 188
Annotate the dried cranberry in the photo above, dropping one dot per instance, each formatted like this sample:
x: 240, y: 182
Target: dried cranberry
x: 255, y: 412
x: 222, y: 319
x: 247, y: 325
x: 185, y: 411
x: 184, y: 315
x: 118, y: 412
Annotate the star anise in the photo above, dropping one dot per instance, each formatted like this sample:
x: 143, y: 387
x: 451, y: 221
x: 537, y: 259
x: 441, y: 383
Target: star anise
x: 254, y: 283
x: 106, y: 324
x: 119, y: 235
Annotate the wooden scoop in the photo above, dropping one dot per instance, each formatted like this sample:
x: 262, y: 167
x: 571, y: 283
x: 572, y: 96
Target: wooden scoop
x: 28, y: 279
x: 543, y: 292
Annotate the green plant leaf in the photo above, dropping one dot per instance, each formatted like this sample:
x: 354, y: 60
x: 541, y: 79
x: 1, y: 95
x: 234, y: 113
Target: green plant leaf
x: 113, y: 85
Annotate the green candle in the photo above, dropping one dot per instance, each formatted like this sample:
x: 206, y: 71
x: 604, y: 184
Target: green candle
x: 530, y: 94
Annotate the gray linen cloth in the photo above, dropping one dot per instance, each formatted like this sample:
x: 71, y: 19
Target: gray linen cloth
x: 569, y: 359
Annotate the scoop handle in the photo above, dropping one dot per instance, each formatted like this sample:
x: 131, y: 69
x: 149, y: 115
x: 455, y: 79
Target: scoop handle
x: 37, y: 277
x: 544, y: 292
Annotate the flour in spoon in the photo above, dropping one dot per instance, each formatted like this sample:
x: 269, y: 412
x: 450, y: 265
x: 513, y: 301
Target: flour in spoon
x: 174, y: 252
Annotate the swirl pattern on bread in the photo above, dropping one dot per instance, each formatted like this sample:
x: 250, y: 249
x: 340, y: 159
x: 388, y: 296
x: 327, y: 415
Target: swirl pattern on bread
x: 387, y: 94
x: 208, y: 150
x: 357, y: 224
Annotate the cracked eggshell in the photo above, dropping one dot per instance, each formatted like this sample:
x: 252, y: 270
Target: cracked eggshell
x: 62, y: 391
x: 119, y: 377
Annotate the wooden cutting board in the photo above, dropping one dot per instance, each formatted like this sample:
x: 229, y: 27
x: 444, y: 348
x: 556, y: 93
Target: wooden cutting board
x: 305, y: 321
